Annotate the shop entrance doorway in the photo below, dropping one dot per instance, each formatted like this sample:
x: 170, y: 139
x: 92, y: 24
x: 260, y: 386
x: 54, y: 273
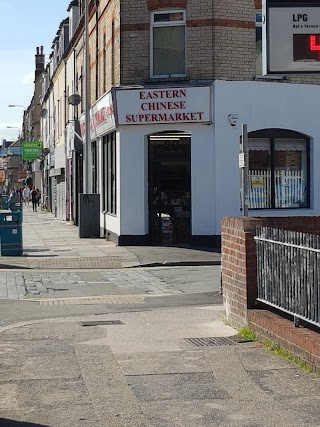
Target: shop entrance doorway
x: 170, y: 188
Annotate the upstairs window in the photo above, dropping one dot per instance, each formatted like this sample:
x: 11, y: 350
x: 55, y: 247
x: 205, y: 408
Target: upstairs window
x: 168, y: 44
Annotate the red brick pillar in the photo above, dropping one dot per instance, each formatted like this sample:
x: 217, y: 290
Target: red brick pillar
x: 239, y: 268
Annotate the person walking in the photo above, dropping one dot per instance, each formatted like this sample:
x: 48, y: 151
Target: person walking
x: 34, y: 199
x: 26, y: 195
x: 39, y: 196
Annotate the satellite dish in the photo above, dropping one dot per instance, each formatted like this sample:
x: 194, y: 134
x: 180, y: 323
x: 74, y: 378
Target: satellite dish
x: 74, y: 99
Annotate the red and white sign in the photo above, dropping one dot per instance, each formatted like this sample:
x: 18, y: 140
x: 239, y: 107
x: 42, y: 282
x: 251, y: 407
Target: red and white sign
x: 164, y: 105
x: 102, y: 118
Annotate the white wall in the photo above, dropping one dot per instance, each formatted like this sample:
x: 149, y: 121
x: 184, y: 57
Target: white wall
x: 261, y: 105
x: 134, y: 177
x: 60, y: 157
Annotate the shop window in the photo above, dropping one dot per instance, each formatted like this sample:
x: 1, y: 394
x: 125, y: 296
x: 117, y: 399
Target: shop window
x: 278, y: 173
x: 168, y: 44
x: 259, y: 44
x: 109, y: 164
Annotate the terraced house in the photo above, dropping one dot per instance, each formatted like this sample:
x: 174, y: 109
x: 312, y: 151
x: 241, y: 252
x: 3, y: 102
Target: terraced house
x: 171, y: 83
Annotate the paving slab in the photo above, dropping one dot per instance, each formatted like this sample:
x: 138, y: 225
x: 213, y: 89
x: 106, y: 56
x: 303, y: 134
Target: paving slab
x: 52, y: 243
x: 59, y: 373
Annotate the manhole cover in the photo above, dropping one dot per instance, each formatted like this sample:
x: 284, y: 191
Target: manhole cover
x: 216, y: 341
x: 101, y: 322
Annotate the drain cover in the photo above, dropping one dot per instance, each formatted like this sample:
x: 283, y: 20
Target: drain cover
x: 216, y: 341
x: 101, y: 322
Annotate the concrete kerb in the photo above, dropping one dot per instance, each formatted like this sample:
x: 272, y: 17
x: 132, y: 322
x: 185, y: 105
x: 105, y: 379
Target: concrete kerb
x: 178, y: 264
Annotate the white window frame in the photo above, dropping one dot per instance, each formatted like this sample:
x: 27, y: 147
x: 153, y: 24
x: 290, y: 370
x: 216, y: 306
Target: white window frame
x: 168, y: 24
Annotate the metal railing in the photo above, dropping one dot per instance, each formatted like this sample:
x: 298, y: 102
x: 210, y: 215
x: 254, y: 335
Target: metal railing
x: 288, y: 272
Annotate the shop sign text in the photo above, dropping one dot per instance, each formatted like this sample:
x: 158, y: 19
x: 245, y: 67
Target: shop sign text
x: 188, y: 105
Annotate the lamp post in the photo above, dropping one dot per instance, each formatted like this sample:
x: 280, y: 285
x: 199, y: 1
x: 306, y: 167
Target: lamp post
x: 17, y: 105
x: 24, y: 109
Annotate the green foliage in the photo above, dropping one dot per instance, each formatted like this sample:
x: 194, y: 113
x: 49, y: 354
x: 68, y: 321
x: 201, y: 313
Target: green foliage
x: 286, y: 354
x: 247, y: 333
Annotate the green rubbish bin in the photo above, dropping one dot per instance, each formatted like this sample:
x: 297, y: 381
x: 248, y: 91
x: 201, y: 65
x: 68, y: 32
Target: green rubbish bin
x: 5, y: 201
x: 11, y: 233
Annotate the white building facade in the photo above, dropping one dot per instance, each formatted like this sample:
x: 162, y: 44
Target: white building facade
x: 166, y: 160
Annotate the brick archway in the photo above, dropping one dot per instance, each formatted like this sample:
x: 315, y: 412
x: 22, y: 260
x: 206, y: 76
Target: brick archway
x: 162, y: 4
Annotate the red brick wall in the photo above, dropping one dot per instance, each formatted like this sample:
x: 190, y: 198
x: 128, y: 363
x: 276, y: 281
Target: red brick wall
x: 301, y: 342
x: 239, y: 285
x: 238, y: 261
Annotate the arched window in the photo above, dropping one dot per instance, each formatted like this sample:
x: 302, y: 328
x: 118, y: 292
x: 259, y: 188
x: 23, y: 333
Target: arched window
x: 278, y: 169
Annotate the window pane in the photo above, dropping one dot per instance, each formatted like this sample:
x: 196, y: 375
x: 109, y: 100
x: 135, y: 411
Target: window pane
x: 259, y: 174
x: 169, y: 50
x: 167, y: 17
x: 290, y: 173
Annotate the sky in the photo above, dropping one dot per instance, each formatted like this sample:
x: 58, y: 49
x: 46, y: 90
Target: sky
x: 24, y: 25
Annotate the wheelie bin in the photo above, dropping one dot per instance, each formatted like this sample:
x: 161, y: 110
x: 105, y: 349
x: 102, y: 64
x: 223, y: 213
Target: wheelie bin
x: 11, y: 233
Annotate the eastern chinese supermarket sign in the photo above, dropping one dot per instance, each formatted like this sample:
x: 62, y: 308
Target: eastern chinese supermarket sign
x: 170, y: 105
x: 31, y: 150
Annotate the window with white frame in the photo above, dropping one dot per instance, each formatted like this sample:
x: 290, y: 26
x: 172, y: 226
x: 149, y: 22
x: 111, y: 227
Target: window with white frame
x: 168, y: 43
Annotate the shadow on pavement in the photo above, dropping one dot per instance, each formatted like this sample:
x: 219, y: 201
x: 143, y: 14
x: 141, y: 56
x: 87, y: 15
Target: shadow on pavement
x: 11, y: 423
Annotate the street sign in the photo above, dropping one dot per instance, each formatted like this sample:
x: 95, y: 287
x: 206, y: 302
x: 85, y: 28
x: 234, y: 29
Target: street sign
x: 31, y: 150
x: 291, y: 36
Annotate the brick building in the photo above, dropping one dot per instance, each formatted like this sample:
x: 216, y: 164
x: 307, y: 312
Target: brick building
x: 171, y: 83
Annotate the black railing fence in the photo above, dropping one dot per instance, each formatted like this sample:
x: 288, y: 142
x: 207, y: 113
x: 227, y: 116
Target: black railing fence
x: 288, y: 272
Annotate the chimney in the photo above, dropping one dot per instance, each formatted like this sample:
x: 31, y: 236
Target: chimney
x: 39, y: 62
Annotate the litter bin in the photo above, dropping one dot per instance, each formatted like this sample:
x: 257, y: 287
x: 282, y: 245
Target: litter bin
x: 5, y: 201
x: 11, y: 233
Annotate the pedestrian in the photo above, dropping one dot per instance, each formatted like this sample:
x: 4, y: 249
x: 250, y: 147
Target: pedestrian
x: 39, y: 196
x: 34, y: 199
x: 12, y: 195
x: 17, y: 197
x: 26, y: 195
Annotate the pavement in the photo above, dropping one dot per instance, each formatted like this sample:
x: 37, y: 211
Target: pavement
x: 147, y: 369
x: 139, y: 342
x: 53, y: 244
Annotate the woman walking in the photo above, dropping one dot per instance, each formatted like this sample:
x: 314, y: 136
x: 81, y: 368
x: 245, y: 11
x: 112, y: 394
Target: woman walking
x: 34, y: 199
